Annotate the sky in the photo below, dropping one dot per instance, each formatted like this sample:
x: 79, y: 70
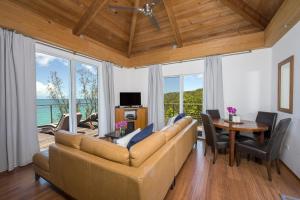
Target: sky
x: 190, y: 82
x: 46, y: 63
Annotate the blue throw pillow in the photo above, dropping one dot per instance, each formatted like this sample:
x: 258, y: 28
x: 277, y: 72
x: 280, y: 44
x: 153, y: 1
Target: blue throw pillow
x: 140, y: 136
x: 180, y: 116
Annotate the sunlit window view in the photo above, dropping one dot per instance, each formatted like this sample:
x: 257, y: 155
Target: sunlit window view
x: 87, y: 97
x: 53, y: 88
x: 192, y: 93
x: 171, y: 96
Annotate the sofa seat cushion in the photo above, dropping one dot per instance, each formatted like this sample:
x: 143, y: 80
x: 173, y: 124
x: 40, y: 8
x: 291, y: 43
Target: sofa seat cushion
x: 41, y: 160
x: 68, y: 139
x: 144, y: 149
x: 141, y: 136
x: 104, y: 149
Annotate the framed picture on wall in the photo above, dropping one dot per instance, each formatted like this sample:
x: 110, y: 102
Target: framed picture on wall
x: 286, y: 85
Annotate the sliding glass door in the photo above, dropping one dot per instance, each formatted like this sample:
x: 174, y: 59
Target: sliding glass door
x: 52, y: 91
x: 171, y: 96
x: 87, y: 98
x: 192, y: 95
x: 183, y: 93
x: 67, y: 94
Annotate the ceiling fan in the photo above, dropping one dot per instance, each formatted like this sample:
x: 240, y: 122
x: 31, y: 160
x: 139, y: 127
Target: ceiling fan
x: 146, y: 10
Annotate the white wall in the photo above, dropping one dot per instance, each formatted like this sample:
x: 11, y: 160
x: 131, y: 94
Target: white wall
x: 285, y: 47
x: 131, y: 80
x: 246, y: 82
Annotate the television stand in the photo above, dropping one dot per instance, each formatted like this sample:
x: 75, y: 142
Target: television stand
x: 140, y: 119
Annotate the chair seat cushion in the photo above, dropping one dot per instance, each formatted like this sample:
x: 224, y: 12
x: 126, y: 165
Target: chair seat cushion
x: 252, y: 147
x: 222, y: 141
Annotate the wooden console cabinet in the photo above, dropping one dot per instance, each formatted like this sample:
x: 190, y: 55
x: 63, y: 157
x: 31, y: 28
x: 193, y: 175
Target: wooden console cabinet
x: 141, y: 119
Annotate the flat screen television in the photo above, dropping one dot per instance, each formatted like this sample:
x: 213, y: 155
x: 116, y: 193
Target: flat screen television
x: 130, y: 98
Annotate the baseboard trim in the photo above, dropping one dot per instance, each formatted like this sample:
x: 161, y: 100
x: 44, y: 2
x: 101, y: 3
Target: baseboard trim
x: 283, y: 163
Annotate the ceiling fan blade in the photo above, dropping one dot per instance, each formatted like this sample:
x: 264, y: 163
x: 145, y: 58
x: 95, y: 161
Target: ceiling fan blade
x: 154, y: 2
x: 154, y: 22
x: 130, y: 9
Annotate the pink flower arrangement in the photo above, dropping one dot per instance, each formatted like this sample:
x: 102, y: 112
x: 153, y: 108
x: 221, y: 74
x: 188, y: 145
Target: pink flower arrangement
x: 231, y: 110
x: 121, y: 124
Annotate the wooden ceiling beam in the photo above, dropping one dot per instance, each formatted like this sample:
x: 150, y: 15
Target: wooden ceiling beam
x: 132, y: 27
x: 285, y: 18
x: 88, y: 16
x: 169, y: 9
x: 213, y: 47
x: 247, y: 12
x: 14, y: 16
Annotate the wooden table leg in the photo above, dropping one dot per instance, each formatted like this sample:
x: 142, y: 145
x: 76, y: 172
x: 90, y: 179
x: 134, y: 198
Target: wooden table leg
x: 261, y: 137
x: 231, y: 147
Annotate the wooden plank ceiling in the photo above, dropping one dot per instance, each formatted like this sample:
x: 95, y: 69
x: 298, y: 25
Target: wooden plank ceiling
x: 182, y: 22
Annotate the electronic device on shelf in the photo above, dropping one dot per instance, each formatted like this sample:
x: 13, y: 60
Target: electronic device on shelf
x: 130, y: 99
x: 130, y: 117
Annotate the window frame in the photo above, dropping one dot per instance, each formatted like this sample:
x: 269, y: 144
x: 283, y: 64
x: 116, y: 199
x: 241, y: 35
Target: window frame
x: 181, y: 87
x: 73, y: 59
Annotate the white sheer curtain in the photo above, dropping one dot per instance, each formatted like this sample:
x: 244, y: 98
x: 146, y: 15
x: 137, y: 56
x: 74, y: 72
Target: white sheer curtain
x: 213, y: 84
x: 18, y: 132
x: 107, y: 99
x: 156, y: 97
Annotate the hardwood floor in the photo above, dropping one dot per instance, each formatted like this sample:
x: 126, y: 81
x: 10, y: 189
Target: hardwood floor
x: 198, y: 179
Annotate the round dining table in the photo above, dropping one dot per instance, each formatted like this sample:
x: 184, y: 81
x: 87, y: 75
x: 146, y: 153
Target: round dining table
x: 244, y: 126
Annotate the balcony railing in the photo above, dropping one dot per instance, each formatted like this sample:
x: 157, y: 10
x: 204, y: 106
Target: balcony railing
x: 50, y: 113
x: 192, y: 109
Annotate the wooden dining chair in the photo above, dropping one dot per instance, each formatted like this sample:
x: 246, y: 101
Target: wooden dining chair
x: 212, y: 139
x: 269, y: 151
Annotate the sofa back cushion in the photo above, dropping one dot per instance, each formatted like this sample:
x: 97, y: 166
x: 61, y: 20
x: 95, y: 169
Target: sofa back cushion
x: 184, y: 121
x: 144, y: 149
x: 173, y: 130
x: 104, y: 149
x: 140, y: 136
x: 68, y: 139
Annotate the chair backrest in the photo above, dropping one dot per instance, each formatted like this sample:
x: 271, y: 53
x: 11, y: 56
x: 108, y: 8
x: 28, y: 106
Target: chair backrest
x: 214, y: 114
x: 275, y: 142
x: 269, y: 119
x: 64, y: 122
x: 210, y: 130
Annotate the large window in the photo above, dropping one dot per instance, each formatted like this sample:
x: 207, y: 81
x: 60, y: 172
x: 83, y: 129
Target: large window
x: 183, y: 93
x: 171, y: 96
x: 52, y: 89
x: 67, y: 94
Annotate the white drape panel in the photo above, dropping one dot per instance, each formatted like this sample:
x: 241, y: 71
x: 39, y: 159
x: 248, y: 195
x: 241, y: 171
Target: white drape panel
x: 18, y: 132
x: 156, y: 97
x: 213, y: 84
x: 107, y: 105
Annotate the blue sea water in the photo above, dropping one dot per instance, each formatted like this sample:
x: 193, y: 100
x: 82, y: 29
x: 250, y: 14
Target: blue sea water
x: 44, y: 108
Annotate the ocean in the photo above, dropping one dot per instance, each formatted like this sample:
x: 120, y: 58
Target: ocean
x: 49, y: 108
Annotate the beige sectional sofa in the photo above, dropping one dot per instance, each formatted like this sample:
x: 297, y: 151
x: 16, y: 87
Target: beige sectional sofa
x: 90, y: 168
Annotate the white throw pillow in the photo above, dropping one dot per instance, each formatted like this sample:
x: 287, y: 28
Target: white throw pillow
x: 124, y: 140
x: 171, y: 120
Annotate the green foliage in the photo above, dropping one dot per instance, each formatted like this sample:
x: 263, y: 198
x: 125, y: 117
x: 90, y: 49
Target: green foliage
x: 192, y: 103
x: 55, y: 92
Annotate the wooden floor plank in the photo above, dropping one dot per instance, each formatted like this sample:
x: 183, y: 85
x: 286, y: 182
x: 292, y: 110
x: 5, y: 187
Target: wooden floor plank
x: 199, y: 179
